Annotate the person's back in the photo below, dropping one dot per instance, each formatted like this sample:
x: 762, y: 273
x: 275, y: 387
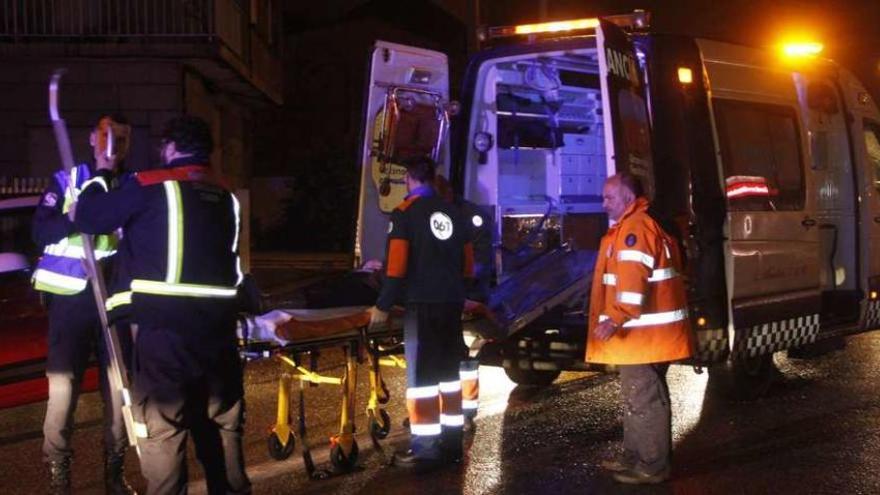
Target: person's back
x: 193, y: 255
x: 437, y: 244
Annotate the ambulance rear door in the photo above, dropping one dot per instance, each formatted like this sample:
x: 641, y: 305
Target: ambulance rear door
x: 626, y: 121
x: 405, y: 114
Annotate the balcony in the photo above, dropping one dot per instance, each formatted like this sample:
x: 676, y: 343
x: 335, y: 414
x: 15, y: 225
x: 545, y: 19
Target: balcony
x: 237, y: 33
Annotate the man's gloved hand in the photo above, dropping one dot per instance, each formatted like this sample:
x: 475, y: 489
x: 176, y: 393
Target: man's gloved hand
x: 605, y: 330
x: 378, y: 318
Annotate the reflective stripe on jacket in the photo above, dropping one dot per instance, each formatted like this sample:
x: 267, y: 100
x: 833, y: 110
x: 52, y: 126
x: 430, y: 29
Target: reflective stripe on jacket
x: 60, y: 269
x: 638, y: 284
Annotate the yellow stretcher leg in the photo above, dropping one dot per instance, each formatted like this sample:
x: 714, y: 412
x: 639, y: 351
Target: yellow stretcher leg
x: 281, y: 441
x: 344, y: 448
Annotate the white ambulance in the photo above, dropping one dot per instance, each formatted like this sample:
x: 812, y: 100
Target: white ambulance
x: 770, y: 168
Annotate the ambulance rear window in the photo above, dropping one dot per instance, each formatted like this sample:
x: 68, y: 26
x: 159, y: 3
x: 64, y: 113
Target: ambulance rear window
x: 761, y: 154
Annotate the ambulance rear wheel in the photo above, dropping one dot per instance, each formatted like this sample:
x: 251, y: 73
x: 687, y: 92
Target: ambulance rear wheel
x: 344, y: 463
x: 381, y: 426
x: 533, y: 378
x: 746, y: 379
x: 276, y: 450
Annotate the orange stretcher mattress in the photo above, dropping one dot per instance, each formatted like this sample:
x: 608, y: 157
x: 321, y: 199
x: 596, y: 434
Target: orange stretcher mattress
x: 314, y: 324
x: 303, y: 326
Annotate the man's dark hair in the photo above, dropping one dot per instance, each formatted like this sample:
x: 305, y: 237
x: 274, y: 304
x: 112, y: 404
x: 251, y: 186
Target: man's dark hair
x: 421, y: 168
x: 114, y: 116
x: 190, y: 135
x: 631, y: 182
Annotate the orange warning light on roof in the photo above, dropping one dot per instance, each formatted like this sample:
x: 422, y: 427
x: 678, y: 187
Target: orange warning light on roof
x: 555, y: 27
x: 802, y: 49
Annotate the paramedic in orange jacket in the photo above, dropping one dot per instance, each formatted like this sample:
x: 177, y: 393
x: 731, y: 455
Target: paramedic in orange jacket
x: 638, y: 321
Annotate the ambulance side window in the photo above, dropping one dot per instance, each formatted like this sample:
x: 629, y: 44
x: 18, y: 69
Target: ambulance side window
x: 760, y: 149
x: 872, y: 146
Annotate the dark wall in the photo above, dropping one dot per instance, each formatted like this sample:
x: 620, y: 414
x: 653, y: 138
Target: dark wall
x: 312, y: 143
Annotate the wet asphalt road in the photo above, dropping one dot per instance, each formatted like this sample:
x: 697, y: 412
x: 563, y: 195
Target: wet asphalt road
x: 816, y: 430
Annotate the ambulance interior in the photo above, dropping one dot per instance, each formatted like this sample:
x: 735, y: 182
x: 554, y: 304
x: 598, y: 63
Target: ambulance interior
x: 537, y: 159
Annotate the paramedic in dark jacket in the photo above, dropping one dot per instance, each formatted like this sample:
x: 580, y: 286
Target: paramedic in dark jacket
x: 429, y: 253
x: 180, y: 227
x: 74, y: 327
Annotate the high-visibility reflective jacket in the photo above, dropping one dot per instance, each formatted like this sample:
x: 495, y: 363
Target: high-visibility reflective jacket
x: 638, y: 284
x: 179, y: 249
x: 60, y: 269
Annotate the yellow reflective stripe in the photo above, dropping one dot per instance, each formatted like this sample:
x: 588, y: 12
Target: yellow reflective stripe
x: 422, y: 392
x: 609, y: 279
x: 236, y: 206
x: 653, y: 318
x: 58, y: 280
x: 630, y: 298
x: 662, y: 274
x: 175, y: 231
x: 68, y: 250
x: 638, y: 256
x: 118, y: 299
x: 191, y: 290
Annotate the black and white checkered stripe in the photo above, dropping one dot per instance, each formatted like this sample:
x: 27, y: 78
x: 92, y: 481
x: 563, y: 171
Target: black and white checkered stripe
x: 872, y: 314
x: 774, y: 336
x: 712, y: 345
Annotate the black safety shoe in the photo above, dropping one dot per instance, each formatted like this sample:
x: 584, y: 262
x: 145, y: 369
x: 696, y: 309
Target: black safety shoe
x: 636, y: 477
x: 411, y: 460
x: 114, y: 475
x: 59, y: 477
x: 615, y: 465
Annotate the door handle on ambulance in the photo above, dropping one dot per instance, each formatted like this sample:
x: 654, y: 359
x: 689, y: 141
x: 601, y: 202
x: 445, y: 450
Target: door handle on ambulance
x: 808, y: 222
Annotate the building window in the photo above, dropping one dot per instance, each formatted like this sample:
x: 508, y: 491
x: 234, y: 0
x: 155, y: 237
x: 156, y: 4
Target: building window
x: 872, y: 146
x: 760, y: 149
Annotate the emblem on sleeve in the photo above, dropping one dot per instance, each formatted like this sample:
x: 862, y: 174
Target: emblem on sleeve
x: 630, y: 240
x: 50, y: 199
x: 441, y: 225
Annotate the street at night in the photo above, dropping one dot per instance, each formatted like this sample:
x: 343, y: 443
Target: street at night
x: 398, y: 247
x: 815, y: 431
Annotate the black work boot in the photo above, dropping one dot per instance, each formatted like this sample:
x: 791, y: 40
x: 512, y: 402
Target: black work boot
x: 59, y: 477
x: 114, y: 475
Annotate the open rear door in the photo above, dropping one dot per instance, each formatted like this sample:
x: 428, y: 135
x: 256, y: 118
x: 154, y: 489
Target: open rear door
x: 405, y: 114
x: 625, y: 106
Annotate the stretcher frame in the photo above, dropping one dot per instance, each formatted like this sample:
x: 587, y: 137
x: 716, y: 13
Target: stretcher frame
x: 375, y: 348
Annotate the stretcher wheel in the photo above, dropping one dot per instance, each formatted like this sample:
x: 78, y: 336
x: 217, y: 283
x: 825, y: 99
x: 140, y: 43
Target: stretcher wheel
x: 381, y: 426
x: 276, y: 450
x: 342, y: 462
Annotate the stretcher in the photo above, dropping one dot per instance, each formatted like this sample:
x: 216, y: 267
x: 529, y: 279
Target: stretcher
x: 295, y: 338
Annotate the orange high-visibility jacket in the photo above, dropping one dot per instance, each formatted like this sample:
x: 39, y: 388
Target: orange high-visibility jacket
x: 638, y: 284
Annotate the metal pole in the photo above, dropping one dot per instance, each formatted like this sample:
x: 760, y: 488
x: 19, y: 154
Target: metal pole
x: 116, y: 371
